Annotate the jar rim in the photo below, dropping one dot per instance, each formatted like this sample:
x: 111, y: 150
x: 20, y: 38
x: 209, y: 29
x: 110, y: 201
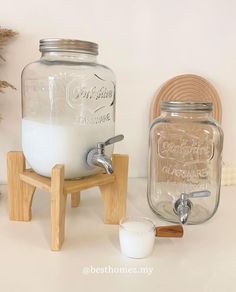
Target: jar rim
x: 137, y: 219
x: 67, y: 45
x: 186, y: 106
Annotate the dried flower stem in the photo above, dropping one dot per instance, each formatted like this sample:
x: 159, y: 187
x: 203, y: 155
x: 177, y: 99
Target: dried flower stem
x: 5, y: 35
x: 5, y: 84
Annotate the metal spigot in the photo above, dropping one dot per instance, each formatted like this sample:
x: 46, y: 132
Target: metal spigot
x: 97, y: 157
x: 183, y: 205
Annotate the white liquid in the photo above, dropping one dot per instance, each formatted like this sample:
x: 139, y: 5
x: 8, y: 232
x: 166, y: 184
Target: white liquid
x: 45, y: 145
x: 137, y: 238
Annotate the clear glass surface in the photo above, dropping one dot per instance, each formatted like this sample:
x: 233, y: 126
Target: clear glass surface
x: 185, y: 150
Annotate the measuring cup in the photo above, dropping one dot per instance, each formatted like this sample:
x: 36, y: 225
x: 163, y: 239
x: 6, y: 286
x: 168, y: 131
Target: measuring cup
x: 137, y: 235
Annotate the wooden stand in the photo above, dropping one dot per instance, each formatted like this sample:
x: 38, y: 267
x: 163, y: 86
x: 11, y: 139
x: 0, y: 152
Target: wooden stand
x: 22, y: 183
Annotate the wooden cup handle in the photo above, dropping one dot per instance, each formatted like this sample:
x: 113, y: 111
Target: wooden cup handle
x: 170, y: 231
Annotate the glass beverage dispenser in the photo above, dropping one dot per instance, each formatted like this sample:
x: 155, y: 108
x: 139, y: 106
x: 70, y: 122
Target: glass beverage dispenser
x: 68, y: 105
x: 185, y: 162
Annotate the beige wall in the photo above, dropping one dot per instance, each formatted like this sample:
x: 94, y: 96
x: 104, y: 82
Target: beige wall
x: 144, y: 42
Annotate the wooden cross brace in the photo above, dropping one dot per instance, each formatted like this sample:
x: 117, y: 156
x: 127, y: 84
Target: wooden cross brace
x: 22, y: 183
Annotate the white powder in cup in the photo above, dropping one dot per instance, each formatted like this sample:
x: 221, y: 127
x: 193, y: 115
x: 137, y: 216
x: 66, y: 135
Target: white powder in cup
x: 137, y: 237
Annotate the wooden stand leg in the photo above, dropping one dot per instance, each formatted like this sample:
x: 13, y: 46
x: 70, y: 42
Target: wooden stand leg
x: 58, y: 207
x: 115, y: 194
x: 20, y: 194
x: 75, y: 199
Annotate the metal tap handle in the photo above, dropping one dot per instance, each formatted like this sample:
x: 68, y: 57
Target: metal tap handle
x: 199, y: 194
x: 100, y: 146
x: 114, y: 140
x: 183, y: 205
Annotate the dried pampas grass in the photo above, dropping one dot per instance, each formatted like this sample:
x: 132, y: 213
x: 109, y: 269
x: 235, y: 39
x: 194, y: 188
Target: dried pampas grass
x: 5, y: 36
x: 5, y: 84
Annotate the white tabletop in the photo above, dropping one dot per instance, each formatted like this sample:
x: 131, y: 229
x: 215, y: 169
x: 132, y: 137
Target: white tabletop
x: 90, y: 259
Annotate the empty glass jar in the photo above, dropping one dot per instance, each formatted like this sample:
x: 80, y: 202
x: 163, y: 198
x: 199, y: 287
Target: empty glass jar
x: 185, y: 149
x: 68, y: 103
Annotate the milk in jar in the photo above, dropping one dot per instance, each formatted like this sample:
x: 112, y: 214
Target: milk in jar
x: 68, y: 106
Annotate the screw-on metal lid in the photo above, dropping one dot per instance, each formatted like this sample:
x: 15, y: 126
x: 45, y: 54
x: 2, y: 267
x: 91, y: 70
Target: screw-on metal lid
x: 186, y: 106
x: 67, y: 45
